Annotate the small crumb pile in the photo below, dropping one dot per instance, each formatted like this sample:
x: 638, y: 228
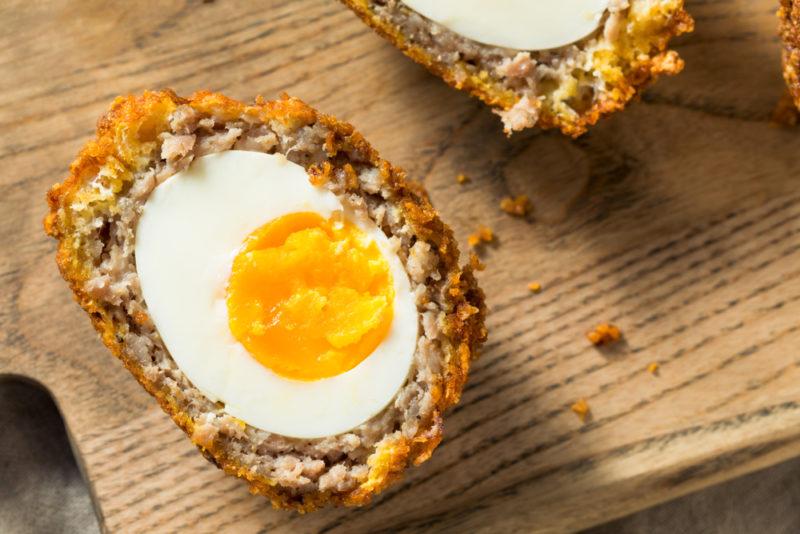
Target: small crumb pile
x: 483, y: 235
x: 604, y: 334
x: 535, y: 287
x: 517, y: 206
x: 581, y: 409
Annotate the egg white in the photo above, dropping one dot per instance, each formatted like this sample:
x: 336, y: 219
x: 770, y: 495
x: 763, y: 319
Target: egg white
x: 519, y: 24
x: 191, y: 228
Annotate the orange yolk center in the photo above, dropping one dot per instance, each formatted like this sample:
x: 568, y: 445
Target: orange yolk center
x: 310, y: 297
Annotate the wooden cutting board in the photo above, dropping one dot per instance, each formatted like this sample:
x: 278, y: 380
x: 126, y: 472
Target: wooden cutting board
x: 678, y: 220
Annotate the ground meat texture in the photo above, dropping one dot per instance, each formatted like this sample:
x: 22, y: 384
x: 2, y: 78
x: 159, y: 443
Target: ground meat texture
x: 567, y: 88
x: 141, y: 142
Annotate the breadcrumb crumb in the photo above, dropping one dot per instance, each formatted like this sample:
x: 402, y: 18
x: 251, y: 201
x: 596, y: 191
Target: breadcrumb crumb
x: 581, y: 409
x: 535, y: 287
x: 653, y: 368
x: 462, y: 179
x: 517, y: 206
x: 483, y: 235
x: 786, y: 113
x: 604, y: 334
x: 476, y: 263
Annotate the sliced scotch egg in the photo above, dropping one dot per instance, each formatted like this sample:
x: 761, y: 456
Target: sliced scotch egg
x: 547, y: 63
x: 293, y: 304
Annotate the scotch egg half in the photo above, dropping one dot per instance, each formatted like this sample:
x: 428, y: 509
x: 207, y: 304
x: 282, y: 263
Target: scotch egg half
x: 272, y: 297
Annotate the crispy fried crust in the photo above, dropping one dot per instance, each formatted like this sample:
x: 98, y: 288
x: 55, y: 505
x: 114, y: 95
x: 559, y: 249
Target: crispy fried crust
x: 122, y: 137
x: 628, y: 75
x: 789, y: 14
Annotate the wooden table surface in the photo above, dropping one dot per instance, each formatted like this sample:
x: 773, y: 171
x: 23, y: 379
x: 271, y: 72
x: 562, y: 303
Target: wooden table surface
x: 678, y: 220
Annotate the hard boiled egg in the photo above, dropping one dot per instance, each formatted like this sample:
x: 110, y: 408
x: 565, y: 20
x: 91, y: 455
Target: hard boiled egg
x: 519, y: 24
x: 272, y: 297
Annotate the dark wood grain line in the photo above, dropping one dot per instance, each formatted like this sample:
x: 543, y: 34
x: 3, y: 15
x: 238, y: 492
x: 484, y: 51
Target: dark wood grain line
x: 120, y: 61
x: 653, y: 317
x: 755, y: 217
x: 19, y: 150
x: 171, y: 61
x: 181, y: 53
x: 652, y: 252
x: 317, y: 49
x: 52, y: 176
x: 495, y: 440
x: 777, y: 375
x: 446, y: 142
x: 163, y: 466
x: 101, y: 440
x: 409, y: 485
x: 169, y: 22
x: 229, y: 499
x: 206, y: 67
x: 709, y: 107
x: 502, y: 357
x: 642, y: 306
x: 328, y: 68
x: 724, y: 462
x: 17, y: 340
x: 139, y: 449
x: 738, y: 455
x: 230, y: 494
x: 597, y: 367
x: 225, y: 486
x: 744, y: 353
x: 172, y: 79
x: 156, y: 493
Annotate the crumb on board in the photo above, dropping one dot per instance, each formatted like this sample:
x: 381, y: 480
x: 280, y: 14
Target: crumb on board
x: 462, y: 179
x: 476, y: 263
x: 535, y: 287
x: 581, y: 409
x: 516, y: 205
x: 604, y: 334
x: 653, y: 368
x: 786, y: 113
x: 484, y: 234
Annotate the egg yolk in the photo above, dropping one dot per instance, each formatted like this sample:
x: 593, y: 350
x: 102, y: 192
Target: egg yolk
x: 310, y: 297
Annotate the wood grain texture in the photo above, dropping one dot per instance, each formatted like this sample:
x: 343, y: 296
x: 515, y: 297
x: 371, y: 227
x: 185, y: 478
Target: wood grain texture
x: 678, y: 220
